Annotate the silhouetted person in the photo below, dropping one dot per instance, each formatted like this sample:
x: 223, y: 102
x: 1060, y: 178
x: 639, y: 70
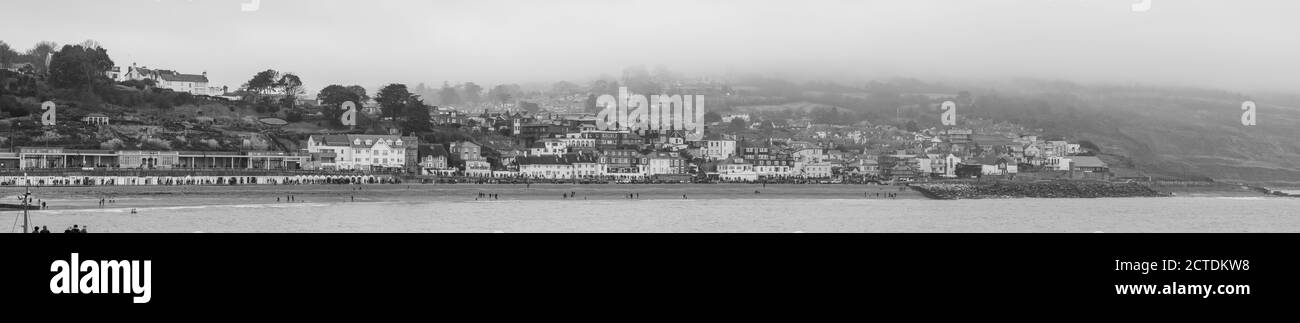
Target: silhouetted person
x: 45, y: 229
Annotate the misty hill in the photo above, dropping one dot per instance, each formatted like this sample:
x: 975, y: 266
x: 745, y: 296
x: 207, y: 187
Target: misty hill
x: 1169, y: 133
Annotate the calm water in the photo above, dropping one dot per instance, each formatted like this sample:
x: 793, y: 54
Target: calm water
x: 605, y: 208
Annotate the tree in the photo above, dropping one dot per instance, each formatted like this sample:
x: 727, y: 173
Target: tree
x: 423, y: 91
x: 291, y: 84
x: 738, y: 124
x: 79, y: 67
x: 39, y: 53
x: 337, y: 94
x: 393, y: 99
x: 360, y: 92
x: 712, y: 117
x: 7, y: 54
x: 333, y: 97
x: 503, y: 94
x: 448, y: 96
x: 416, y: 117
x: 912, y: 127
x: 263, y: 82
x: 473, y: 93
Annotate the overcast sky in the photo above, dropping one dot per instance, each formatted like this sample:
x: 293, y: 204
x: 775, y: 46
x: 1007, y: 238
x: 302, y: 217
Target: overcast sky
x: 1246, y: 45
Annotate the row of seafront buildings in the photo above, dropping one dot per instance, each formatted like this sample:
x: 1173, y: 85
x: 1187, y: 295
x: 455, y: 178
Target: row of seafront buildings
x: 960, y: 153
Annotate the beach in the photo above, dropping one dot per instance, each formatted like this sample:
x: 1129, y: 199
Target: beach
x: 659, y: 208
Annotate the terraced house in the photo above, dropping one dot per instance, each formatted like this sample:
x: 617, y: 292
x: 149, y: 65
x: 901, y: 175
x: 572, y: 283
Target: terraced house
x: 364, y: 152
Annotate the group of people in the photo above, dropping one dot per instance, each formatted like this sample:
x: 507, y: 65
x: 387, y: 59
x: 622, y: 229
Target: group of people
x: 890, y: 196
x: 104, y: 201
x: 488, y: 196
x: 74, y: 229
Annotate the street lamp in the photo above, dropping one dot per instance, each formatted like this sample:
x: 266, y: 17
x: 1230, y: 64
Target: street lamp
x: 24, y: 200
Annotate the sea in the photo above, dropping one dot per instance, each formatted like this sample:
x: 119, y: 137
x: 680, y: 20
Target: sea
x: 611, y: 208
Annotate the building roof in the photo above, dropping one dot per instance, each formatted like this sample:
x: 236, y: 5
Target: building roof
x: 1087, y: 161
x: 184, y: 78
x: 360, y: 141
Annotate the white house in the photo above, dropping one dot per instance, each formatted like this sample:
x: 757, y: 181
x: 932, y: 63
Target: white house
x: 726, y: 118
x: 1057, y: 163
x: 817, y: 170
x: 734, y: 170
x: 167, y: 79
x: 550, y: 147
x: 364, y: 152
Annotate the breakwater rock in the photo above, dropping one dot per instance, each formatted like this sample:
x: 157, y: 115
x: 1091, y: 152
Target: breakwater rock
x: 953, y: 191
